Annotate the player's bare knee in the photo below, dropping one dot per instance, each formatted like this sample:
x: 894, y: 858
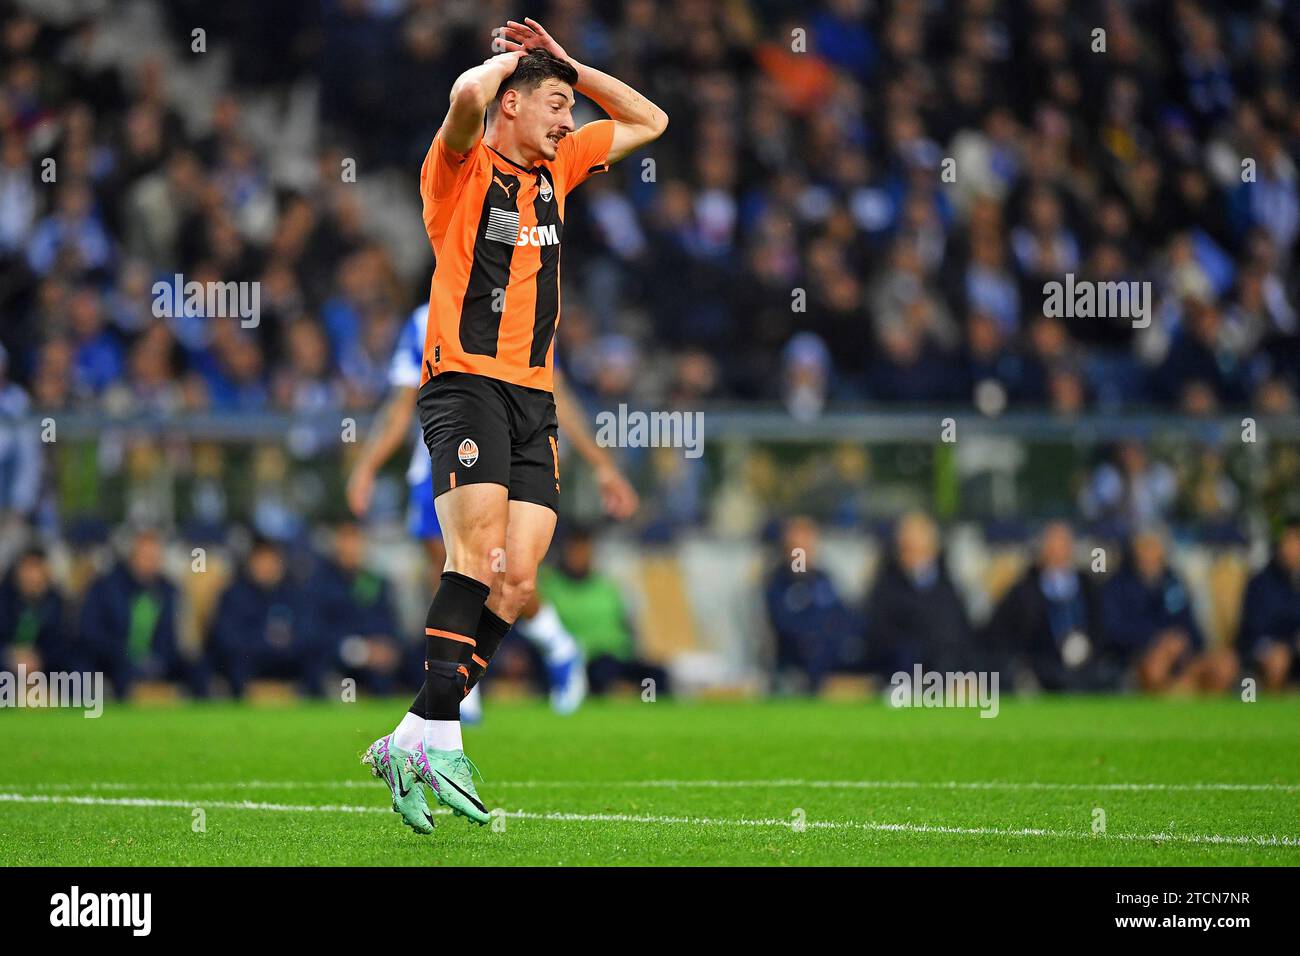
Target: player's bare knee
x: 475, y: 560
x: 517, y: 591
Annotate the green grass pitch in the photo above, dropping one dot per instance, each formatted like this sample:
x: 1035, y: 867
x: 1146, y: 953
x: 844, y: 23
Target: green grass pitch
x: 632, y: 783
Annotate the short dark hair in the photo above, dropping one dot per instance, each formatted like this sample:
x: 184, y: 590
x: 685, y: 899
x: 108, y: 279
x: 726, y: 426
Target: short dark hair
x: 534, y: 68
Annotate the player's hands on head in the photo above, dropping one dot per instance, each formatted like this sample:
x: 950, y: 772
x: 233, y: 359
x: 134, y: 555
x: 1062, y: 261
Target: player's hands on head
x: 506, y: 59
x: 529, y: 35
x: 617, y: 495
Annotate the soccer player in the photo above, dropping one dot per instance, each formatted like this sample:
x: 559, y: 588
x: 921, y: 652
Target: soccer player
x: 540, y: 623
x: 494, y: 211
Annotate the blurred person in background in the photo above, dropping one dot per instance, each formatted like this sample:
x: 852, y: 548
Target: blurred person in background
x: 1270, y: 613
x: 393, y: 426
x: 150, y: 385
x: 33, y: 624
x: 71, y: 238
x: 20, y: 455
x: 817, y: 632
x: 262, y: 629
x: 18, y: 198
x: 914, y: 613
x: 354, y: 618
x: 303, y: 383
x: 1201, y: 368
x: 806, y: 376
x: 1050, y: 623
x: 1150, y: 624
x: 995, y: 373
x: 97, y: 354
x: 592, y: 609
x: 1128, y: 491
x: 129, y: 621
x: 1208, y: 494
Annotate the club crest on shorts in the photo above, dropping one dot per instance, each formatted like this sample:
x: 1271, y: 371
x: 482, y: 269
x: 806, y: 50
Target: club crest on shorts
x: 544, y: 188
x: 467, y: 452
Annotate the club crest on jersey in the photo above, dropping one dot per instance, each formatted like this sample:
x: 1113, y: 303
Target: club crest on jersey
x: 467, y: 453
x: 544, y: 188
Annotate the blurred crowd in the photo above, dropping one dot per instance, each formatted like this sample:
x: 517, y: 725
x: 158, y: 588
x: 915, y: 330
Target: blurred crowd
x: 858, y: 201
x: 795, y: 238
x: 309, y: 618
x: 1060, y: 624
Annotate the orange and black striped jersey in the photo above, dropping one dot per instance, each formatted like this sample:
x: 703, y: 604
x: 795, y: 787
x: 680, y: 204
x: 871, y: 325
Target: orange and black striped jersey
x: 496, y: 229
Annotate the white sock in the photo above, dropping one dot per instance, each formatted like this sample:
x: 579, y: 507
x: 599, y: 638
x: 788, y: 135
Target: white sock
x: 442, y: 735
x: 548, y: 634
x: 409, y: 732
x: 471, y: 708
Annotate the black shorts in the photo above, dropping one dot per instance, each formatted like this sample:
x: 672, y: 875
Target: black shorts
x: 481, y: 429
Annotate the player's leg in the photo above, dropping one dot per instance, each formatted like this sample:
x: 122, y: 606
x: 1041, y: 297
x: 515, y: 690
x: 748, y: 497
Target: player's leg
x: 535, y: 478
x: 534, y: 500
x: 471, y: 708
x: 528, y: 535
x: 467, y: 422
x: 437, y: 553
x: 473, y: 520
x: 539, y: 623
x: 466, y: 430
x: 566, y: 666
x: 423, y: 524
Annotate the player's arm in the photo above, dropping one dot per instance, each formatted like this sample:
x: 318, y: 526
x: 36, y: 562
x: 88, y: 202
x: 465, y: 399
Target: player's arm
x: 471, y: 95
x: 637, y: 121
x: 393, y: 427
x: 617, y: 495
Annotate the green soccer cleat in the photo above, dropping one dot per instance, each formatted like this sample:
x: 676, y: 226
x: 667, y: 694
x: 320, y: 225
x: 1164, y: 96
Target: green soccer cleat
x: 391, y: 763
x: 450, y: 774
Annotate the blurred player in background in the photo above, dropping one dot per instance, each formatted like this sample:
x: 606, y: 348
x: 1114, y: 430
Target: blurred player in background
x: 493, y: 185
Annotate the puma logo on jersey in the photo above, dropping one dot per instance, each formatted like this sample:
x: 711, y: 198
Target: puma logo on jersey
x: 506, y: 189
x: 538, y: 236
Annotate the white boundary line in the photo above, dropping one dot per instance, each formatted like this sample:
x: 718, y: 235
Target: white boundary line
x: 917, y: 828
x: 701, y: 784
x: 187, y: 804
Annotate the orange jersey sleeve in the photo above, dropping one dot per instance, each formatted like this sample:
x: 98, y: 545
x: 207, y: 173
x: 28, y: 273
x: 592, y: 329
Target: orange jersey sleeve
x: 441, y: 177
x: 584, y: 153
